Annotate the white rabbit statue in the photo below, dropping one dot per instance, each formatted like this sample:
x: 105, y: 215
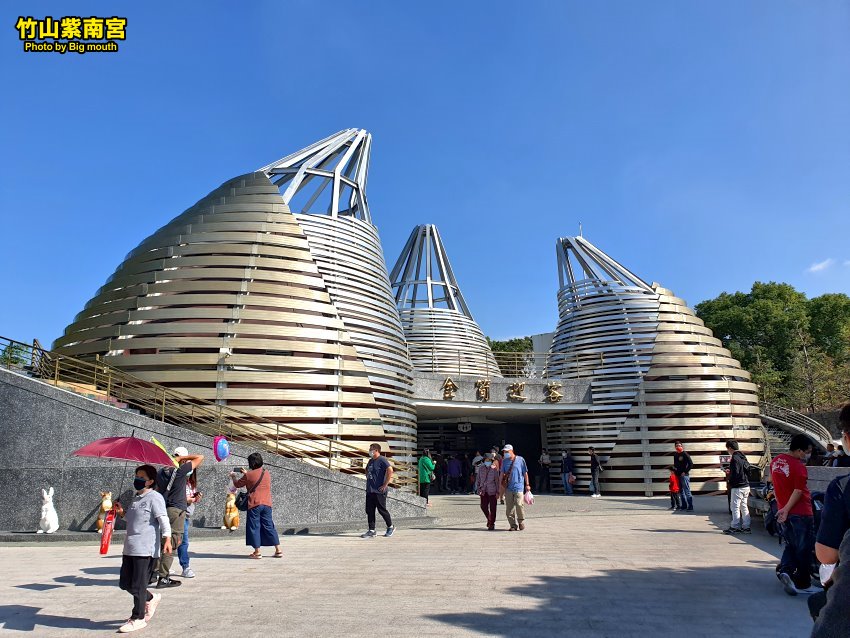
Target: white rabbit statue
x: 49, y: 518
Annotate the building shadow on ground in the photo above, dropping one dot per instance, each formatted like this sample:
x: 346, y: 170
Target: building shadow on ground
x: 27, y: 618
x: 660, y: 602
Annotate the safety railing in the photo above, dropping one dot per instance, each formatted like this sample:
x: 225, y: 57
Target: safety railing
x: 798, y: 421
x: 110, y: 385
x: 524, y: 365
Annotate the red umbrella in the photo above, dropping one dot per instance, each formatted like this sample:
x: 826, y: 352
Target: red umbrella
x: 126, y: 448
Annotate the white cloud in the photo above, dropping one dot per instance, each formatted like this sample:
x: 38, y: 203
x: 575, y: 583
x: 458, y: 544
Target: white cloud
x: 822, y: 265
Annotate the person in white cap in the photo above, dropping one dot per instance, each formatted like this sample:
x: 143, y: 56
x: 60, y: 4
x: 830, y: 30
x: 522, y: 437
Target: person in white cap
x: 171, y: 483
x: 514, y: 484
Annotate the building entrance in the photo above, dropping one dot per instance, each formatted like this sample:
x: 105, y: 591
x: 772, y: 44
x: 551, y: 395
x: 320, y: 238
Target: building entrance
x: 446, y: 440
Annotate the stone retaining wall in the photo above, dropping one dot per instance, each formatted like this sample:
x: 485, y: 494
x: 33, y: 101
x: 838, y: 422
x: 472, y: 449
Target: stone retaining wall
x: 41, y: 425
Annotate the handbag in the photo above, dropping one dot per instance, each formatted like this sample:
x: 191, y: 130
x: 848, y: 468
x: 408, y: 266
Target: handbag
x: 572, y: 478
x: 507, y: 473
x: 432, y: 477
x: 242, y: 497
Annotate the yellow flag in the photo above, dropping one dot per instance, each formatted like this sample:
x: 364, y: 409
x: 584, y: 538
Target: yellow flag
x: 162, y: 447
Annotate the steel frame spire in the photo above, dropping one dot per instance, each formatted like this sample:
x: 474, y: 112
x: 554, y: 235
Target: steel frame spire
x: 340, y: 161
x: 576, y: 254
x: 423, y: 277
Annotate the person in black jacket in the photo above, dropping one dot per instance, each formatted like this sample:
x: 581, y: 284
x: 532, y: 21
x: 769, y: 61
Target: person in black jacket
x: 568, y: 469
x: 739, y: 484
x: 683, y: 464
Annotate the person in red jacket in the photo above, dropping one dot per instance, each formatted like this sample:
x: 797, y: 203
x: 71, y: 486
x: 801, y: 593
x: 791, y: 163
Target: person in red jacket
x: 789, y: 476
x: 675, y: 490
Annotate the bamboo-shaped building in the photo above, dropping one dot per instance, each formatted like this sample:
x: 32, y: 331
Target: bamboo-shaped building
x: 324, y: 185
x: 657, y: 375
x: 289, y: 317
x: 442, y: 336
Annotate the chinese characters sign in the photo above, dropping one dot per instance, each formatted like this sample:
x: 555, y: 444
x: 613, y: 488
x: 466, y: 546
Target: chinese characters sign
x: 71, y: 34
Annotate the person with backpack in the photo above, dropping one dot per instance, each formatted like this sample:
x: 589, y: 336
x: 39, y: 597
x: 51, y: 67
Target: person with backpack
x: 171, y: 483
x: 683, y: 464
x: 515, y: 483
x: 739, y: 484
x: 795, y: 515
x: 259, y: 529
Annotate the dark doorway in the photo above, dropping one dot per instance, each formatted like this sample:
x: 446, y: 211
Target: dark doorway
x: 446, y: 438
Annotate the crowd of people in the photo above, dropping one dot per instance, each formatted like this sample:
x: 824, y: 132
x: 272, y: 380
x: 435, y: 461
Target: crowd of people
x: 457, y: 473
x: 157, y: 516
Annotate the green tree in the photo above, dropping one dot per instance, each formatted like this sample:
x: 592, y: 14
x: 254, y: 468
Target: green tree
x: 829, y: 321
x: 13, y: 354
x: 511, y: 355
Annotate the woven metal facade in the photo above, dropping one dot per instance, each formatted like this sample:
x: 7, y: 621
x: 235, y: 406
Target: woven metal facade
x: 226, y: 302
x: 657, y: 375
x: 325, y: 184
x: 441, y: 334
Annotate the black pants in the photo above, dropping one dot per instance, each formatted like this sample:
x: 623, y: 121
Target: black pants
x: 424, y: 490
x: 136, y: 571
x: 379, y: 502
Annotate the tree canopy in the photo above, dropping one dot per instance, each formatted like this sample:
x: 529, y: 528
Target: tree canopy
x: 797, y: 349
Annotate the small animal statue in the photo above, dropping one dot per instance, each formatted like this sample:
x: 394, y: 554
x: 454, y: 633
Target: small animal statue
x: 231, y: 514
x: 105, y: 506
x: 49, y: 518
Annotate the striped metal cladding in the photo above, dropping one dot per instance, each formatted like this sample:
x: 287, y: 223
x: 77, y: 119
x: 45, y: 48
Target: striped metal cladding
x: 441, y: 334
x: 328, y: 180
x: 227, y: 303
x: 659, y: 375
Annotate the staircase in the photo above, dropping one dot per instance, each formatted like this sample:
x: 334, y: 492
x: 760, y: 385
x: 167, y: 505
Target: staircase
x: 782, y: 424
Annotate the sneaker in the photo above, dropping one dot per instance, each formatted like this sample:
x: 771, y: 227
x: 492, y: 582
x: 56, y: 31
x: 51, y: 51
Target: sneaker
x: 731, y: 530
x: 787, y: 584
x: 132, y: 625
x: 151, y: 605
x: 164, y: 583
x: 690, y: 509
x: 812, y: 589
x: 521, y: 526
x: 188, y: 573
x: 746, y: 530
x: 370, y: 534
x: 389, y: 531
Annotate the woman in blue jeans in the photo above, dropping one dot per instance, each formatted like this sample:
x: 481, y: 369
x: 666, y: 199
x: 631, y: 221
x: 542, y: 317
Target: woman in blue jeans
x: 259, y: 529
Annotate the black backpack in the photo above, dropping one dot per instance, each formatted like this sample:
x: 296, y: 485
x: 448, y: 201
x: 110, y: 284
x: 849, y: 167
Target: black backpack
x: 770, y: 522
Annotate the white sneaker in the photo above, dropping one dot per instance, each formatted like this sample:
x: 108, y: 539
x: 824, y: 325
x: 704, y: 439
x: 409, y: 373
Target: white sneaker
x: 787, y: 584
x: 151, y: 605
x: 132, y: 625
x: 187, y: 573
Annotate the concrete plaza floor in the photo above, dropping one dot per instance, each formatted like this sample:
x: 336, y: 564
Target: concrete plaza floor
x: 616, y: 567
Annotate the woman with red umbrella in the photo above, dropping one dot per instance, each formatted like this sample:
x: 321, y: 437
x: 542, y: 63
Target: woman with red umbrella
x: 147, y: 522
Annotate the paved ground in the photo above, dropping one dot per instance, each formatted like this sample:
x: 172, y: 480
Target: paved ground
x: 614, y: 567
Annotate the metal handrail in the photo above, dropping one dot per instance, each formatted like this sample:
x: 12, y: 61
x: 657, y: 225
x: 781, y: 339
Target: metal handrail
x: 808, y: 425
x: 522, y: 365
x: 111, y: 385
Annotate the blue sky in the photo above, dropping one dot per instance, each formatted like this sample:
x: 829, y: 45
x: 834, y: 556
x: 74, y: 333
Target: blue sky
x: 703, y: 145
